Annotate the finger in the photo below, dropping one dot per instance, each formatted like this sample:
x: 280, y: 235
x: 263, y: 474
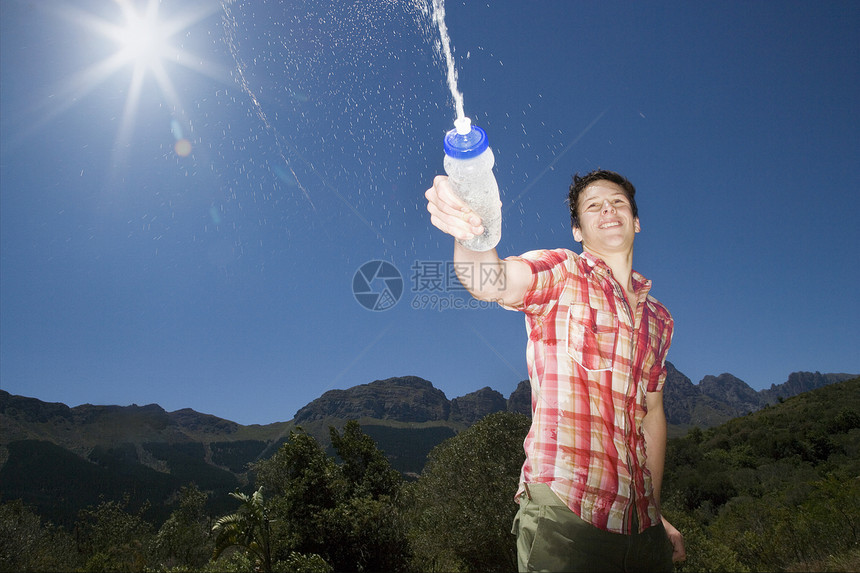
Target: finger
x: 466, y: 218
x: 444, y: 204
x: 453, y: 227
x: 455, y: 223
x: 447, y: 198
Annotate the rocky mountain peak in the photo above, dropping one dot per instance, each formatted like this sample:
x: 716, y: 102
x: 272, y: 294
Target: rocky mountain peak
x: 731, y: 390
x: 474, y: 406
x: 405, y: 398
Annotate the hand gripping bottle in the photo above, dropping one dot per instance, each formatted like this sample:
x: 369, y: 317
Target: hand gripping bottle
x: 469, y: 165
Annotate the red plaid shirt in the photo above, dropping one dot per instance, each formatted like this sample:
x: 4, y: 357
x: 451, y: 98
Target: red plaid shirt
x: 591, y: 361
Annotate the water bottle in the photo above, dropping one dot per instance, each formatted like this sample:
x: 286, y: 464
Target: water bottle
x: 469, y: 165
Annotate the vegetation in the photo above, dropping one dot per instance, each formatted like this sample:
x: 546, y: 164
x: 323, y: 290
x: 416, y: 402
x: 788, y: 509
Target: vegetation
x: 28, y: 545
x: 183, y: 541
x: 776, y: 490
x: 250, y: 528
x: 111, y: 473
x: 462, y: 508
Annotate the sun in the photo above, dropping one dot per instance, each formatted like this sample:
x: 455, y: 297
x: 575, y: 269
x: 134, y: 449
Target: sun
x: 145, y: 42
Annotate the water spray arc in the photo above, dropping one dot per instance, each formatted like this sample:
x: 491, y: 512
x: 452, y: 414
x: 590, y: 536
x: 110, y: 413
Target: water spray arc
x: 469, y: 160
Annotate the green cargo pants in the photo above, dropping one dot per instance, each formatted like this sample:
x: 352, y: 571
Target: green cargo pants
x: 550, y: 537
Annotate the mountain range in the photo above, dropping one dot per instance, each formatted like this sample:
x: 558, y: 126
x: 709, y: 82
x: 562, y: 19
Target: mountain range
x: 61, y: 459
x: 713, y: 401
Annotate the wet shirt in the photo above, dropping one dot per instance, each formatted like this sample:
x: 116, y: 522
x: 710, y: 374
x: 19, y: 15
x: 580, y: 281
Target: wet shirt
x: 591, y: 359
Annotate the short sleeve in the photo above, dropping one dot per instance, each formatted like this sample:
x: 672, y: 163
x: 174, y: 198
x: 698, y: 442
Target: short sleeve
x: 550, y: 270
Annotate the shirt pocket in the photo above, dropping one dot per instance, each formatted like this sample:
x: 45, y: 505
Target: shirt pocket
x: 591, y: 335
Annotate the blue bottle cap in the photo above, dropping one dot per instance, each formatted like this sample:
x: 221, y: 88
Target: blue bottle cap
x: 466, y: 146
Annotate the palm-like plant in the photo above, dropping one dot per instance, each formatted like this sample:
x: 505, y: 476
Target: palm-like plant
x: 248, y: 528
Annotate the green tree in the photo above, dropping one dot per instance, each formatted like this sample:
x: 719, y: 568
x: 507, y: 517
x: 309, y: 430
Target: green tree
x: 299, y: 563
x: 462, y: 507
x: 364, y: 534
x: 27, y: 545
x: 365, y: 468
x: 301, y: 481
x: 184, y: 540
x: 111, y: 539
x: 365, y: 531
x: 249, y: 528
x: 345, y: 513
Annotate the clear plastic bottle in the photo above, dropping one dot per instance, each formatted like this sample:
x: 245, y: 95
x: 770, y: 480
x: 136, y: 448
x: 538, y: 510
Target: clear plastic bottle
x: 469, y: 164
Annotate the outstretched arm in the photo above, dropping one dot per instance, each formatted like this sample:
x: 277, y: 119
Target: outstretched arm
x: 509, y: 279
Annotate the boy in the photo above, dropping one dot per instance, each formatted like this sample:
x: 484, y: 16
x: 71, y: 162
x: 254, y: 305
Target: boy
x: 589, y: 490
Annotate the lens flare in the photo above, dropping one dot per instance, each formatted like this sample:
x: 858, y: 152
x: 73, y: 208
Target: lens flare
x: 182, y: 148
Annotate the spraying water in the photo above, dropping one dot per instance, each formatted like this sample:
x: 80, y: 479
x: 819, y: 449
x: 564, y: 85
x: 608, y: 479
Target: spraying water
x: 324, y: 81
x: 468, y: 158
x: 439, y: 18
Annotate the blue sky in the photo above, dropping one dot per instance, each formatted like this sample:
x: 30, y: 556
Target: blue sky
x: 222, y: 279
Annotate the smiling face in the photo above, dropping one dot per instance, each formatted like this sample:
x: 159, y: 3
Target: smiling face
x: 606, y: 222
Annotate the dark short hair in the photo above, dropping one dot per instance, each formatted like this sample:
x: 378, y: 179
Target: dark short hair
x: 580, y: 183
